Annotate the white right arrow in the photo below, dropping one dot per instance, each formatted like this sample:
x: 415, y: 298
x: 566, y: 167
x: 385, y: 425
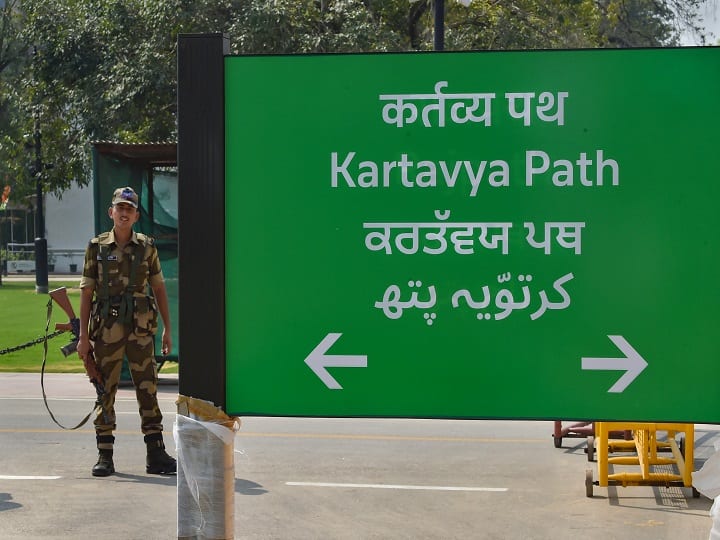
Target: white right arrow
x: 633, y: 364
x: 317, y: 360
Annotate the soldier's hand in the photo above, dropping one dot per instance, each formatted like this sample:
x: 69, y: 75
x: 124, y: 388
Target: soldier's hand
x: 166, y: 342
x: 83, y: 347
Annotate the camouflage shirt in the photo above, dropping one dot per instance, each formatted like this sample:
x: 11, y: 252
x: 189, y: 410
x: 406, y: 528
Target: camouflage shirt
x: 119, y: 262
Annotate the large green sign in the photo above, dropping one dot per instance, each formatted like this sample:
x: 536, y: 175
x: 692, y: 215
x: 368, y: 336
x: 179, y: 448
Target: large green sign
x: 487, y: 235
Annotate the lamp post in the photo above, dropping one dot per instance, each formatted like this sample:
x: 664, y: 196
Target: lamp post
x: 439, y: 30
x: 439, y: 26
x: 41, y: 269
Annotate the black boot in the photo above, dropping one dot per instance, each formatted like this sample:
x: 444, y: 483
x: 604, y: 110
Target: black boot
x: 158, y: 460
x: 105, y: 465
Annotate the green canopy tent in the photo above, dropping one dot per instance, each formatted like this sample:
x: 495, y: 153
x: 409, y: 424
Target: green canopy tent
x: 151, y: 170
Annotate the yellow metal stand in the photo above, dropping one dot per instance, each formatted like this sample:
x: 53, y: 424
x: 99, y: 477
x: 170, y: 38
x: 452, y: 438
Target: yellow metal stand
x: 646, y: 447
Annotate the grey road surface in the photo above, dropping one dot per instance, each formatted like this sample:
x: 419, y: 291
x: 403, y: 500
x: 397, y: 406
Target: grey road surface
x: 326, y: 478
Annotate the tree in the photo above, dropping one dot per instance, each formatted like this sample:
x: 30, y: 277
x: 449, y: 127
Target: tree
x: 12, y: 52
x: 105, y: 69
x: 289, y: 26
x: 88, y: 77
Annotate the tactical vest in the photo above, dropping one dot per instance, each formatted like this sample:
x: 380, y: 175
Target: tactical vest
x: 115, y: 300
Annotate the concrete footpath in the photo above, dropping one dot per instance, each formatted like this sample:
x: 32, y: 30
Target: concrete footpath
x: 319, y: 478
x: 31, y: 277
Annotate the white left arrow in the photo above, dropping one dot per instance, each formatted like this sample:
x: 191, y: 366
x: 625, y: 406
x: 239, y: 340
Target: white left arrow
x: 318, y: 361
x: 633, y: 364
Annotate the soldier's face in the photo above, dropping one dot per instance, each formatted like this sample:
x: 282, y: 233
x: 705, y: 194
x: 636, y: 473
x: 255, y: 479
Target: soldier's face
x: 123, y: 215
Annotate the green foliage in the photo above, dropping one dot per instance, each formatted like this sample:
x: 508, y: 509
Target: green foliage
x: 6, y: 255
x: 89, y: 70
x: 12, y: 52
x: 290, y: 26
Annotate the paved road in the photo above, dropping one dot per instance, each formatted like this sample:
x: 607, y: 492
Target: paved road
x: 325, y: 478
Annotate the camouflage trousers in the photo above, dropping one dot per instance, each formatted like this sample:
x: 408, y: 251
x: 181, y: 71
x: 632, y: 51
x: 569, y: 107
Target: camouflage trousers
x: 111, y: 346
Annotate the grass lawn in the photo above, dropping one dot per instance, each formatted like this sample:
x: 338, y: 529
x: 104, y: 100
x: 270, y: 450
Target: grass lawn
x: 23, y: 314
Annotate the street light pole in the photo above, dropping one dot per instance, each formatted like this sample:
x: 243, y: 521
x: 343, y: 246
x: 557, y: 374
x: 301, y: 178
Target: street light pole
x: 439, y: 31
x: 41, y: 269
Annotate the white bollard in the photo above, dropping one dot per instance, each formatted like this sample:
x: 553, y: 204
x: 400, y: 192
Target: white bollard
x: 206, y: 473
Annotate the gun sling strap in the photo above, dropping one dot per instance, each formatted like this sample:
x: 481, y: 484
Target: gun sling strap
x: 98, y: 402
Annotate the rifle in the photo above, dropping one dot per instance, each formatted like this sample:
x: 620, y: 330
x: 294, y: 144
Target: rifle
x: 61, y: 298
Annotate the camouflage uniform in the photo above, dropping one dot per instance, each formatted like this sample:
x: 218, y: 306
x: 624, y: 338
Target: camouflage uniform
x: 123, y: 322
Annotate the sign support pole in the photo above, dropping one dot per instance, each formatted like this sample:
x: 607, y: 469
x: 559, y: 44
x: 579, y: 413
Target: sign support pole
x: 201, y: 204
x: 201, y: 264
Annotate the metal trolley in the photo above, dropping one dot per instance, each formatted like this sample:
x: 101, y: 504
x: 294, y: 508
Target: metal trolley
x: 646, y: 447
x: 578, y: 430
x: 583, y: 430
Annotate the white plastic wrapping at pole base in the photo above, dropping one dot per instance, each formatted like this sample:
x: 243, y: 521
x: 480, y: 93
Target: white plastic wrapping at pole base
x: 715, y: 514
x: 205, y: 475
x: 707, y: 482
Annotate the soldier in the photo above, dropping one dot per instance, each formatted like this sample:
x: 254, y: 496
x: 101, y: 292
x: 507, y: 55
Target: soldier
x: 120, y: 317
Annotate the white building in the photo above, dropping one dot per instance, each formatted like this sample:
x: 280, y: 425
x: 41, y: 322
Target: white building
x: 69, y: 226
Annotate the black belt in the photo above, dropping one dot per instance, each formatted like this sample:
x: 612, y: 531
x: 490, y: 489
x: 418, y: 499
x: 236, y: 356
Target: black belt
x: 112, y: 301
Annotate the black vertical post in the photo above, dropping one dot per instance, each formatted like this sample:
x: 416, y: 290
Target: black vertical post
x: 439, y: 32
x: 41, y: 269
x: 151, y: 199
x: 201, y: 219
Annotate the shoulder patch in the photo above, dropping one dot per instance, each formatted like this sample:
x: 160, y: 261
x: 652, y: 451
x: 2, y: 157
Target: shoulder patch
x: 145, y: 239
x: 99, y: 237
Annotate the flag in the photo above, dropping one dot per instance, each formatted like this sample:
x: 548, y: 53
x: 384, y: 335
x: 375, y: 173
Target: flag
x: 5, y: 198
x: 465, y: 3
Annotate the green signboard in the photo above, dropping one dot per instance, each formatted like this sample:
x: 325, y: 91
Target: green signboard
x: 474, y: 235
